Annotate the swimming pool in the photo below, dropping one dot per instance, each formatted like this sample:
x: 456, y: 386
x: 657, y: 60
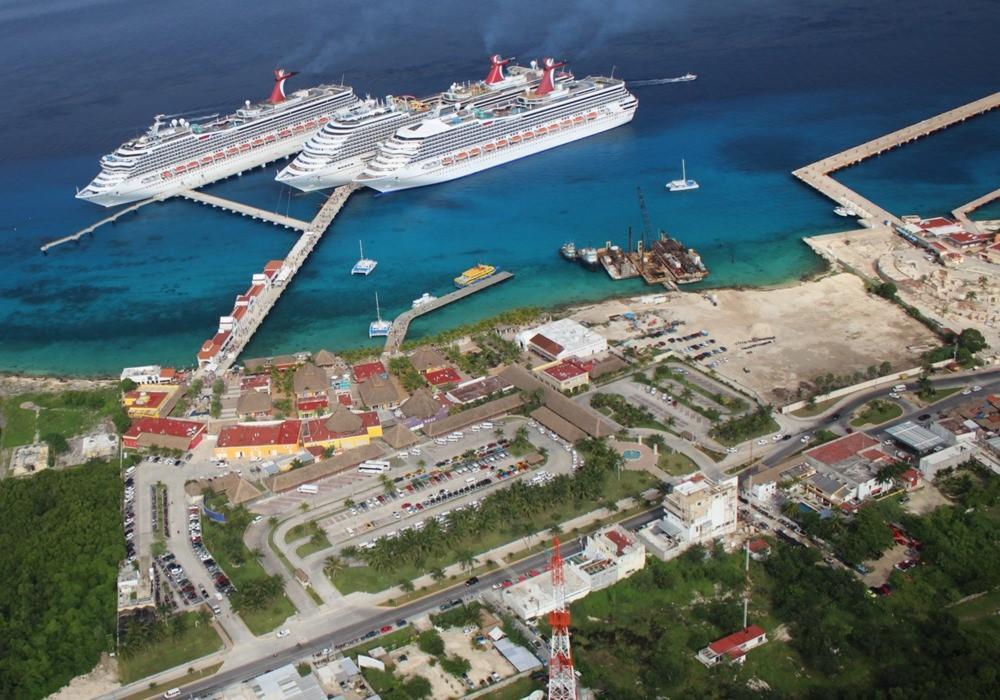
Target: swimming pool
x: 631, y: 455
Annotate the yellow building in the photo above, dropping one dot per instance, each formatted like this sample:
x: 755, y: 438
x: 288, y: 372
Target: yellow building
x: 151, y: 400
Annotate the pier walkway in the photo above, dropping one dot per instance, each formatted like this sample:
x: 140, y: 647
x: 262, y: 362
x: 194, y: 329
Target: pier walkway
x: 962, y: 213
x: 817, y: 175
x: 297, y: 256
x: 107, y: 220
x: 402, y: 323
x: 244, y: 210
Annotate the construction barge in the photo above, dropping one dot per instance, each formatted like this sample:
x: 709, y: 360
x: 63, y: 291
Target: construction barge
x: 666, y: 261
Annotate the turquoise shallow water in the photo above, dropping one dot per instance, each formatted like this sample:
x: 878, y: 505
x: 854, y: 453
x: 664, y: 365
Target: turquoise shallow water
x: 776, y: 90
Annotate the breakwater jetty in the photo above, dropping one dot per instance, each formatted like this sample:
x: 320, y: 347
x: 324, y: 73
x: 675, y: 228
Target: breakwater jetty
x: 962, y: 213
x: 107, y: 220
x: 402, y: 323
x: 221, y: 351
x: 817, y: 175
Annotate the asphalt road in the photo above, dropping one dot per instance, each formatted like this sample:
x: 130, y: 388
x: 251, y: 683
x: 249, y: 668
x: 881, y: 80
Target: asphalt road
x: 989, y: 380
x: 389, y: 616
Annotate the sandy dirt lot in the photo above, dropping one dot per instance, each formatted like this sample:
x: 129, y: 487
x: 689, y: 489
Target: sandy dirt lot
x: 14, y: 384
x: 925, y: 499
x: 456, y: 643
x: 103, y: 679
x: 827, y: 325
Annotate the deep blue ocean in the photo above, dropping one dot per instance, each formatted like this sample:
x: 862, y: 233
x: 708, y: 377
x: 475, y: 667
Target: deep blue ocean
x: 780, y: 84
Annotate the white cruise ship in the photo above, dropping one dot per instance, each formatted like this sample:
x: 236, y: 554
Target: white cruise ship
x: 180, y: 154
x: 464, y: 141
x: 340, y: 151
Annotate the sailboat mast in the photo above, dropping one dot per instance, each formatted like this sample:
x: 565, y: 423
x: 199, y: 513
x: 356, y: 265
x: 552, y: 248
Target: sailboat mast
x: 684, y: 174
x: 362, y: 249
x: 378, y: 311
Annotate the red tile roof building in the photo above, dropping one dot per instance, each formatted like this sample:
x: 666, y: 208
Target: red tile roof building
x: 368, y: 369
x: 567, y: 374
x: 842, y: 449
x: 164, y: 432
x: 734, y: 647
x: 440, y: 377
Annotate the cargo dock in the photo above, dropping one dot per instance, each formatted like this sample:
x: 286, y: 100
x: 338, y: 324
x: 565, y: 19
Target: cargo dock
x: 401, y: 325
x: 817, y: 175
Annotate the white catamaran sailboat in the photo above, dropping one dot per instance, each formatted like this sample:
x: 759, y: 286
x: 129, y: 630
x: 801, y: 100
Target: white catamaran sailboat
x: 364, y: 266
x: 378, y: 328
x: 683, y: 183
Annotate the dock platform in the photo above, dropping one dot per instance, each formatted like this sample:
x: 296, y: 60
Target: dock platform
x: 962, y: 213
x: 244, y: 210
x: 817, y: 175
x: 312, y: 233
x: 402, y: 323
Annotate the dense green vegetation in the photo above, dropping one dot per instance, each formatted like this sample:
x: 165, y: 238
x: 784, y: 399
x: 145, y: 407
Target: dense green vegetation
x: 625, y: 413
x: 962, y: 347
x: 390, y: 687
x: 62, y: 415
x: 745, y: 427
x: 260, y: 598
x: 60, y: 544
x: 828, y: 382
x: 505, y: 515
x: 638, y: 638
x: 493, y: 352
x: 155, y: 645
x: 514, y: 317
x: 458, y: 616
x: 403, y: 369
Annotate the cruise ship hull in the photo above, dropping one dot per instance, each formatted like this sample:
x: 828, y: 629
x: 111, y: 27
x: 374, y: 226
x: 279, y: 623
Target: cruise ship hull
x: 342, y: 172
x: 423, y: 173
x: 154, y: 185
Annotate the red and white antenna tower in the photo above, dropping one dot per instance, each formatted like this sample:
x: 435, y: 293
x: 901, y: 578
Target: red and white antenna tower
x: 562, y: 677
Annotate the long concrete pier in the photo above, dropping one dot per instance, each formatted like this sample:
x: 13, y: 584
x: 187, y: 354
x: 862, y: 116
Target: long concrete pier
x: 962, y: 213
x: 402, y: 323
x: 107, y: 220
x: 297, y: 256
x: 817, y: 175
x: 244, y: 210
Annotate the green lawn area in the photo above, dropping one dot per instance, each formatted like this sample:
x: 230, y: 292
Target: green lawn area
x: 367, y: 579
x: 313, y: 545
x: 196, y: 642
x: 764, y: 429
x: 983, y: 606
x: 815, y: 409
x: 19, y: 424
x: 939, y: 394
x: 259, y: 621
x: 390, y: 641
x: 68, y: 413
x: 676, y: 464
x: 521, y: 688
x: 877, y: 412
x: 157, y: 691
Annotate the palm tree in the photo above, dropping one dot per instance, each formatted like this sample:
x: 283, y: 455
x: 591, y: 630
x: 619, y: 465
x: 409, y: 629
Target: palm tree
x: 466, y: 560
x: 257, y: 553
x: 273, y: 521
x: 350, y: 551
x: 437, y: 574
x: 303, y: 506
x: 407, y: 586
x: 348, y: 503
x: 387, y: 485
x: 332, y: 565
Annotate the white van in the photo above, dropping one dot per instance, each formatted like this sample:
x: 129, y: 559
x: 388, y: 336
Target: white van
x: 172, y: 693
x: 899, y: 388
x: 308, y: 488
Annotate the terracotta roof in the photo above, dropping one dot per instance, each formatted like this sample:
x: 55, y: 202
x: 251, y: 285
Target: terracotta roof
x: 367, y: 369
x: 550, y: 347
x: 621, y: 541
x: 724, y: 645
x: 442, y: 376
x: 567, y: 369
x: 425, y: 358
x: 398, y: 435
x: 252, y: 435
x: 586, y: 419
x: 759, y: 545
x: 309, y: 379
x: 174, y: 427
x: 476, y: 389
x: 421, y: 404
x: 842, y: 448
x: 253, y: 402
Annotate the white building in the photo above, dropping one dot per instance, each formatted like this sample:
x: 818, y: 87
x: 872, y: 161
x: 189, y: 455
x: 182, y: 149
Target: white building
x: 696, y: 511
x: 946, y: 458
x: 610, y: 555
x: 560, y: 339
x: 149, y: 374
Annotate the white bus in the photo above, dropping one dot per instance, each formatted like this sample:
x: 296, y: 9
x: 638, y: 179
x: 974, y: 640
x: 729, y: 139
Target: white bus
x: 373, y: 467
x: 308, y: 488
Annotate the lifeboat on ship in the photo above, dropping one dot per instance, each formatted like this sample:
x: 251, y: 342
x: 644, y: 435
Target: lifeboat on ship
x: 258, y: 142
x: 193, y: 164
x: 527, y: 135
x: 310, y: 124
x: 502, y: 143
x: 269, y: 138
x: 219, y: 156
x: 207, y: 160
x: 515, y: 139
x: 592, y: 115
x: 245, y: 147
x: 323, y: 120
x: 446, y: 161
x: 180, y: 169
x: 541, y: 131
x: 285, y: 133
x: 553, y: 127
x: 298, y: 128
x: 233, y: 150
x: 473, y: 152
x: 488, y: 147
x: 578, y: 120
x: 462, y: 156
x: 165, y: 174
x: 566, y: 122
